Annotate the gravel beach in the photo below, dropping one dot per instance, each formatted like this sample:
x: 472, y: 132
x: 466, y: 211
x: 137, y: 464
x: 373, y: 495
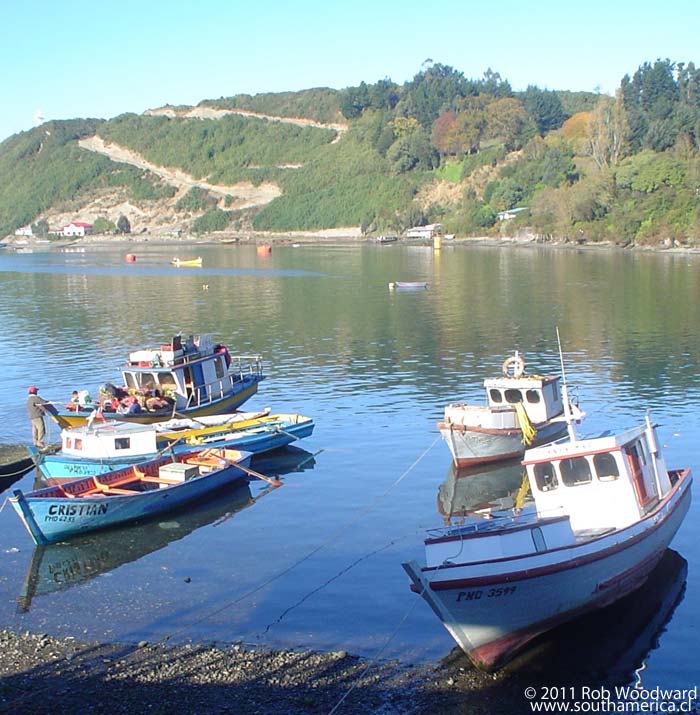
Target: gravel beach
x: 40, y: 674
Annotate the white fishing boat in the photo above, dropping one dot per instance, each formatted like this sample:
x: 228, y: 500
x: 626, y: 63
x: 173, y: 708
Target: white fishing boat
x: 102, y: 447
x: 522, y: 411
x: 604, y: 511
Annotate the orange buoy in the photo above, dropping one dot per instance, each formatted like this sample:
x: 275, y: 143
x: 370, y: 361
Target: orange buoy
x: 264, y: 249
x: 130, y: 257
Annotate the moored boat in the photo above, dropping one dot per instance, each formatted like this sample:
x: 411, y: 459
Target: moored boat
x: 191, y: 377
x: 604, y: 512
x: 408, y: 285
x: 187, y: 262
x: 125, y: 495
x: 522, y: 411
x: 103, y: 447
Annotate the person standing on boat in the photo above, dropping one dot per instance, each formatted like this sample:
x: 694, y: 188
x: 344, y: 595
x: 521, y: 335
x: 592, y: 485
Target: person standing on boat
x: 37, y: 408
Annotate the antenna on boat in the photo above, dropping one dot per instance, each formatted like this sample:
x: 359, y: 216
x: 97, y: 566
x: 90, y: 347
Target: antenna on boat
x: 565, y: 394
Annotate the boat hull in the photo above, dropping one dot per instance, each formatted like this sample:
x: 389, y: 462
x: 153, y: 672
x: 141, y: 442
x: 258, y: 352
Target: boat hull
x: 274, y: 436
x: 493, y: 609
x: 49, y: 520
x: 246, y: 390
x: 471, y: 446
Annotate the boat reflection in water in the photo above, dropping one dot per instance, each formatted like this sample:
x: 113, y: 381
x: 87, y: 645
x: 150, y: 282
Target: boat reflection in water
x: 58, y: 567
x: 471, y: 490
x: 610, y: 645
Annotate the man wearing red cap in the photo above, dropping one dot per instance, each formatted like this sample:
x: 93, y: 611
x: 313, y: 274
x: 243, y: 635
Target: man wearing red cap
x: 36, y: 409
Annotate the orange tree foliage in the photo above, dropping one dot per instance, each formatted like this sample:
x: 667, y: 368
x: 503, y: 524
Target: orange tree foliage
x: 578, y: 126
x: 443, y: 136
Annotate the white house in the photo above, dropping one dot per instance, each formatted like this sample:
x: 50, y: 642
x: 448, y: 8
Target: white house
x: 76, y: 228
x: 429, y: 231
x: 24, y: 231
x: 510, y: 214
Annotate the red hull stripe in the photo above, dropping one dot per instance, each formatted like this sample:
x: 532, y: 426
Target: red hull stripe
x: 492, y: 655
x: 564, y: 565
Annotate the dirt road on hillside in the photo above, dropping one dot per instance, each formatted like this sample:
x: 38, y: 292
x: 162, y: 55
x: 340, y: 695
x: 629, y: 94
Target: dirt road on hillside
x: 213, y: 113
x: 246, y: 194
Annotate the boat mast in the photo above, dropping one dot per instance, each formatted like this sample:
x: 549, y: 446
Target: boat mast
x: 565, y: 394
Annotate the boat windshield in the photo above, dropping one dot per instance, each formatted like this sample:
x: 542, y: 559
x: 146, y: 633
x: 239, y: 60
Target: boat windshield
x: 149, y: 380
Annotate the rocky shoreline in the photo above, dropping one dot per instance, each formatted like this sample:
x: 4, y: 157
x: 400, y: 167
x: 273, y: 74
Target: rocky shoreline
x: 41, y: 675
x: 341, y: 236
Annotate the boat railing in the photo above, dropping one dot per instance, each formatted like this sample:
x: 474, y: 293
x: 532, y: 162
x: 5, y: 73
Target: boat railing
x: 241, y: 367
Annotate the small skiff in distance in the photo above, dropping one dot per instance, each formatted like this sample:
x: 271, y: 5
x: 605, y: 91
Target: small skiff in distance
x: 187, y: 262
x: 125, y: 495
x: 408, y: 285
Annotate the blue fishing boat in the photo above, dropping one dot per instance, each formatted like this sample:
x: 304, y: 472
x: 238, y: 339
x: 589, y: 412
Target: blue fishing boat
x: 191, y: 376
x: 127, y: 495
x: 99, y: 448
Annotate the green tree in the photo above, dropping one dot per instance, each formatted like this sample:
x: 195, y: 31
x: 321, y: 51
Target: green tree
x: 41, y: 228
x: 103, y: 225
x: 545, y: 108
x: 123, y: 224
x: 508, y: 122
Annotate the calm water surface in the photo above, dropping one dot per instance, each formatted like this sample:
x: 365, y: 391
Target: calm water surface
x: 317, y: 563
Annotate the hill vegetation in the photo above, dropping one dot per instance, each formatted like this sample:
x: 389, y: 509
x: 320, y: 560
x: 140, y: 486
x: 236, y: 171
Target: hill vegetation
x: 440, y: 147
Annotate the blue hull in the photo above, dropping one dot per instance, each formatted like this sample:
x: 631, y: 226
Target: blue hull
x: 50, y: 518
x: 56, y: 466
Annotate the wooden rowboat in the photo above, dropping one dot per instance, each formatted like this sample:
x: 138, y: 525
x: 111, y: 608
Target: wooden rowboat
x: 104, y: 447
x: 126, y: 495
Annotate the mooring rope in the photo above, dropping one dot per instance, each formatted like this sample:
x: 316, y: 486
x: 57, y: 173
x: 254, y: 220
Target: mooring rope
x: 101, y: 668
x: 315, y: 550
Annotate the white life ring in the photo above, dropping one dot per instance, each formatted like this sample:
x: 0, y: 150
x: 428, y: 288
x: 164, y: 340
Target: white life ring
x: 514, y: 366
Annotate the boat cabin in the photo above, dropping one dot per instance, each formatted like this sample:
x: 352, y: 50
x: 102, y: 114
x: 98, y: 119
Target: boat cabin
x: 604, y: 483
x: 194, y: 372
x: 109, y: 441
x: 541, y: 396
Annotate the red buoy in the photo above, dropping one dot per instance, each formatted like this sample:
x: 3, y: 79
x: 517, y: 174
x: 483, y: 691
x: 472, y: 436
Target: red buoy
x: 130, y: 257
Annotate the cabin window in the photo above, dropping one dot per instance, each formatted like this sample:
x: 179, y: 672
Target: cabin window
x: 642, y: 455
x: 575, y: 470
x: 553, y: 387
x: 69, y: 442
x: 513, y: 396
x: 219, y: 365
x: 538, y: 539
x: 545, y: 476
x: 606, y: 467
x: 78, y: 443
x: 130, y: 379
x: 495, y: 395
x: 122, y: 443
x: 533, y: 396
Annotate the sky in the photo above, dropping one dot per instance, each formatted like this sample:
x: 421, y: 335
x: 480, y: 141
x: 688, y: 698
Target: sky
x: 63, y: 59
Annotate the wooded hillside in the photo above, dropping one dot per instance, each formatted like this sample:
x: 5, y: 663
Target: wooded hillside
x: 384, y: 156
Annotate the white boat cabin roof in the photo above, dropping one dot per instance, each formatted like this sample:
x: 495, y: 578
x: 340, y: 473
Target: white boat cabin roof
x: 118, y: 439
x: 603, y: 483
